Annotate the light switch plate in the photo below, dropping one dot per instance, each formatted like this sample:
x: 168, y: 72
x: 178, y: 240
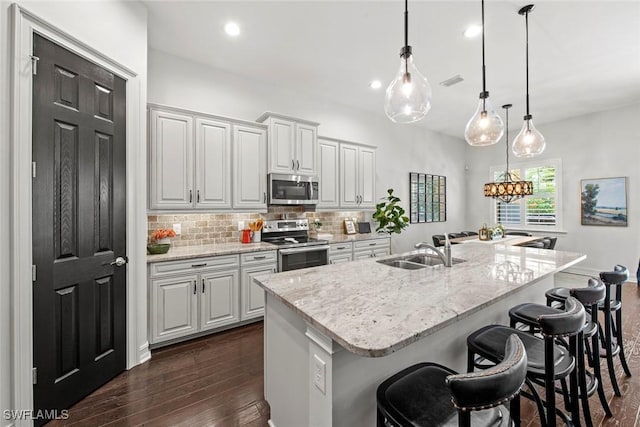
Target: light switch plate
x: 177, y: 228
x: 240, y: 225
x: 319, y: 373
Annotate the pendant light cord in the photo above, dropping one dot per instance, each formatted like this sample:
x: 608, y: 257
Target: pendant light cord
x: 484, y: 82
x: 506, y: 112
x: 526, y: 20
x: 406, y: 38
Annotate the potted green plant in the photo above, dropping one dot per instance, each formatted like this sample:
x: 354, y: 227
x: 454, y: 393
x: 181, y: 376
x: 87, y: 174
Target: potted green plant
x: 389, y: 215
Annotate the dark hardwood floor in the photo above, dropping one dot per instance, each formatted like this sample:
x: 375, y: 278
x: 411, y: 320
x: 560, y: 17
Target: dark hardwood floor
x: 217, y: 381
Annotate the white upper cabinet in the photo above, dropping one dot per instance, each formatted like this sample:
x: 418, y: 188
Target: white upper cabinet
x: 171, y: 165
x: 250, y: 175
x: 293, y: 144
x: 213, y: 164
x: 357, y: 176
x: 205, y: 162
x: 328, y: 173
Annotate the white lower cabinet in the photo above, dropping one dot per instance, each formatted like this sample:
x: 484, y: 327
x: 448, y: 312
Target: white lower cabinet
x: 373, y: 248
x: 252, y: 296
x: 191, y: 296
x: 340, y: 252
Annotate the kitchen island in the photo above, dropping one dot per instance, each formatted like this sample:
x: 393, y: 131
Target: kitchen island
x: 333, y: 333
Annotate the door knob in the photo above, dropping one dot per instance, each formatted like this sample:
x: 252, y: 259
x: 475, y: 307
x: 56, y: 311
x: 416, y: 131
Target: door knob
x: 120, y: 261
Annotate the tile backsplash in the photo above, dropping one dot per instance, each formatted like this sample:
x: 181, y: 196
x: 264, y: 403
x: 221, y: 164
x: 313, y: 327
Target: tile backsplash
x: 208, y: 228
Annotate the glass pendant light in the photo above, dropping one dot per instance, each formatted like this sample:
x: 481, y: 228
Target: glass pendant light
x: 529, y: 142
x: 485, y: 127
x: 408, y: 97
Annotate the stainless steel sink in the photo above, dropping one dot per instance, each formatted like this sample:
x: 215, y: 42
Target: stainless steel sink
x: 400, y: 263
x: 417, y: 261
x: 430, y: 260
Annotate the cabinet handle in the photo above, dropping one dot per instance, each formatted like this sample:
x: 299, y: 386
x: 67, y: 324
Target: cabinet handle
x: 190, y: 196
x: 198, y: 196
x: 330, y: 261
x: 275, y: 270
x: 293, y: 165
x: 373, y: 254
x: 199, y: 265
x: 203, y: 286
x: 195, y: 286
x: 372, y: 244
x: 341, y: 248
x: 297, y: 165
x: 259, y: 257
x: 264, y: 197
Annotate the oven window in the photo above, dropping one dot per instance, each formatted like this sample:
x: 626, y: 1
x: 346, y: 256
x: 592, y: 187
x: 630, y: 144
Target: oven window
x: 303, y: 260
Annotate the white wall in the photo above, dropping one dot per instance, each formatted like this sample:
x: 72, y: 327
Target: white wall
x: 605, y: 144
x: 401, y: 148
x: 106, y: 26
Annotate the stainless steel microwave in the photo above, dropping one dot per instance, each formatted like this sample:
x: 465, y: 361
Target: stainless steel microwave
x: 292, y: 189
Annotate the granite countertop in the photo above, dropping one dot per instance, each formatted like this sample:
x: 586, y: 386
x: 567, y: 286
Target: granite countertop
x: 372, y: 309
x: 200, y: 251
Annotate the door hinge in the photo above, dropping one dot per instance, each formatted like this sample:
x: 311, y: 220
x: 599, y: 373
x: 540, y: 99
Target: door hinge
x: 33, y: 169
x: 34, y: 374
x: 34, y: 64
x: 33, y: 272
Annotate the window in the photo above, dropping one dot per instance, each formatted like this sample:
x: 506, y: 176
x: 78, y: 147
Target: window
x: 540, y: 211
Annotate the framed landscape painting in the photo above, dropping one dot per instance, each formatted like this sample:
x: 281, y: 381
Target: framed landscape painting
x: 604, y: 201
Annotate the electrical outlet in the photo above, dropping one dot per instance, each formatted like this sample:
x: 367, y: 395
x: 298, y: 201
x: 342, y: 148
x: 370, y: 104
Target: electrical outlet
x: 177, y: 228
x: 319, y: 373
x: 240, y: 225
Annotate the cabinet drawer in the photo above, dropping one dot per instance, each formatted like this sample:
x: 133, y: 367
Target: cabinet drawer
x: 370, y: 244
x: 160, y: 269
x: 258, y: 257
x: 339, y: 248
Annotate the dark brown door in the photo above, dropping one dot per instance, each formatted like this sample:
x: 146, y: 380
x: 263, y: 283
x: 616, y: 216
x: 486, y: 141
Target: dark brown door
x: 79, y: 316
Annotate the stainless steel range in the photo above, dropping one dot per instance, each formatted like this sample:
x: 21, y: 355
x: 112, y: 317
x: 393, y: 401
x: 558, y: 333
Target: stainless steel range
x: 295, y: 248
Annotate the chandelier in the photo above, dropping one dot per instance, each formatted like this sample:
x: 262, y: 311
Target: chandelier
x: 511, y: 188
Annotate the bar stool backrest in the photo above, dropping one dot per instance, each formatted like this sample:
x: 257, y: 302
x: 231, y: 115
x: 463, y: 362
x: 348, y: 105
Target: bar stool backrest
x: 567, y: 323
x: 592, y: 294
x: 438, y: 240
x: 618, y: 276
x: 494, y: 386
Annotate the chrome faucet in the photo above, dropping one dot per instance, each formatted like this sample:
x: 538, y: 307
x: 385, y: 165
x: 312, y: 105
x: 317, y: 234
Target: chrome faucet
x: 445, y: 257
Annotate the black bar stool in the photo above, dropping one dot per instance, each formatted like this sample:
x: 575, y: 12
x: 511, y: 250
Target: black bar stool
x: 612, y: 328
x: 470, y: 233
x: 438, y: 240
x: 547, y: 361
x: 590, y: 297
x: 429, y: 395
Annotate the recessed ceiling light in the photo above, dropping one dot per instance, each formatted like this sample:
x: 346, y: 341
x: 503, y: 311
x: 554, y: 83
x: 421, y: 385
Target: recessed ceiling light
x: 375, y: 84
x: 473, y: 31
x: 232, y: 29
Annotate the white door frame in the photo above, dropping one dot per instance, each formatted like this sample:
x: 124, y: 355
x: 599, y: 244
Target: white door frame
x: 25, y: 24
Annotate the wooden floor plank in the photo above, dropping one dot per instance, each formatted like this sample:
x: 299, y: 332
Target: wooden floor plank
x: 218, y: 381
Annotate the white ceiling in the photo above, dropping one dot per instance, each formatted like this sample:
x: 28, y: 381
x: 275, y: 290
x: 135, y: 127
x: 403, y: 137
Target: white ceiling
x: 584, y: 55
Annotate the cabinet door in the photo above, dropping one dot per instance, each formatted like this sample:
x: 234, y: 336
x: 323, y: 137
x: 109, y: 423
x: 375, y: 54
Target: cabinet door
x: 218, y: 299
x: 171, y: 157
x: 348, y: 176
x: 337, y: 259
x: 213, y: 164
x: 363, y: 254
x: 252, y: 295
x: 281, y: 146
x: 306, y: 149
x: 174, y: 307
x: 329, y: 192
x: 367, y: 177
x: 250, y: 175
x: 378, y: 252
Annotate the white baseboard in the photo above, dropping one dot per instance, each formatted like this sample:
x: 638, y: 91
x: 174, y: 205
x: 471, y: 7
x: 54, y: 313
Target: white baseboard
x: 144, y: 354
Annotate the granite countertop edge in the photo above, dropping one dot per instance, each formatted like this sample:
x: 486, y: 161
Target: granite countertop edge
x: 203, y: 251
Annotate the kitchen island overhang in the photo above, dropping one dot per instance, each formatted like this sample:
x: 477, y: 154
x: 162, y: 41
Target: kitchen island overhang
x: 333, y: 333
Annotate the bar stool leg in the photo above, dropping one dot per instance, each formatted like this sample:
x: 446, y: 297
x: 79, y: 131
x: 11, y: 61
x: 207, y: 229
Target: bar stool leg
x: 609, y: 344
x: 514, y: 411
x: 597, y: 372
x: 620, y: 342
x: 550, y: 390
x: 582, y: 376
x: 573, y: 381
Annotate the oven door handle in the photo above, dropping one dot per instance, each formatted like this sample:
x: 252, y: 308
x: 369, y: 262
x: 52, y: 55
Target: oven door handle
x: 305, y: 249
